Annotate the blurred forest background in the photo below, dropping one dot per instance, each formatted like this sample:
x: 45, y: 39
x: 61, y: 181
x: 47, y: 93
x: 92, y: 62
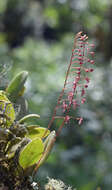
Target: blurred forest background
x: 37, y: 36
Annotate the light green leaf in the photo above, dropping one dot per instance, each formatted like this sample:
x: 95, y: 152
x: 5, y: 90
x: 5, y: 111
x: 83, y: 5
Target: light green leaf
x: 31, y: 153
x: 48, y: 145
x: 16, y: 86
x: 35, y: 131
x: 28, y: 117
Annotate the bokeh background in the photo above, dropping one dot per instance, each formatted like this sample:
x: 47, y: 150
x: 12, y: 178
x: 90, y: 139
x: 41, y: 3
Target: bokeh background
x: 37, y: 36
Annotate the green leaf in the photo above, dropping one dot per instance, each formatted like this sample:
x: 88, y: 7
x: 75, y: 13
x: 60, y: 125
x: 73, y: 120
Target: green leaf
x: 28, y: 117
x: 48, y: 145
x: 31, y: 153
x: 35, y: 131
x: 7, y: 110
x: 16, y: 86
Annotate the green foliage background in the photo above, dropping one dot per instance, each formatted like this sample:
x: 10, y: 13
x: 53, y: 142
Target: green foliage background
x: 37, y: 36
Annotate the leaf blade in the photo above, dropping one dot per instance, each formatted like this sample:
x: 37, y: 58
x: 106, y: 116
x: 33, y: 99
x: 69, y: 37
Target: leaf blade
x: 31, y: 153
x: 27, y: 117
x: 34, y: 132
x: 16, y: 85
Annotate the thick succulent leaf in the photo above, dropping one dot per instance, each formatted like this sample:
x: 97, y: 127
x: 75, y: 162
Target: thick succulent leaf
x: 31, y: 153
x: 48, y: 145
x: 16, y: 86
x: 35, y: 131
x: 28, y: 117
x: 7, y: 110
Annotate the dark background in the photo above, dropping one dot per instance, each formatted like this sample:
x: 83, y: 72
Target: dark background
x: 37, y: 36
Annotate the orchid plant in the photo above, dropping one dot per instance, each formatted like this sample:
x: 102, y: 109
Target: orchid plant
x: 30, y: 145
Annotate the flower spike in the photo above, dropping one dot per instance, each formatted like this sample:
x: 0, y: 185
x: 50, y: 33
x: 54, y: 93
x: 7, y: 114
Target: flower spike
x: 75, y: 85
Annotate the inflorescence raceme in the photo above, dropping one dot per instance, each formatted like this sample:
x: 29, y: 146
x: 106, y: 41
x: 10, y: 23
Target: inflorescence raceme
x: 76, y: 81
x: 75, y: 85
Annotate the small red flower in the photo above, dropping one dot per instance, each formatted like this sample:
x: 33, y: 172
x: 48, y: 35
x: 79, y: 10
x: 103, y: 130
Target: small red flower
x: 82, y: 92
x: 91, y: 70
x: 78, y: 72
x: 92, y: 53
x: 74, y: 85
x: 80, y: 121
x: 83, y: 100
x: 87, y: 79
x: 80, y: 58
x: 86, y: 70
x: 92, y: 62
x: 70, y: 96
x: 67, y: 118
x: 86, y: 86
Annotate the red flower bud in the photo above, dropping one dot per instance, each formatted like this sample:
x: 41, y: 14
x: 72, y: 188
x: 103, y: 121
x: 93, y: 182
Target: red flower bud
x: 86, y: 86
x: 87, y: 79
x: 91, y: 70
